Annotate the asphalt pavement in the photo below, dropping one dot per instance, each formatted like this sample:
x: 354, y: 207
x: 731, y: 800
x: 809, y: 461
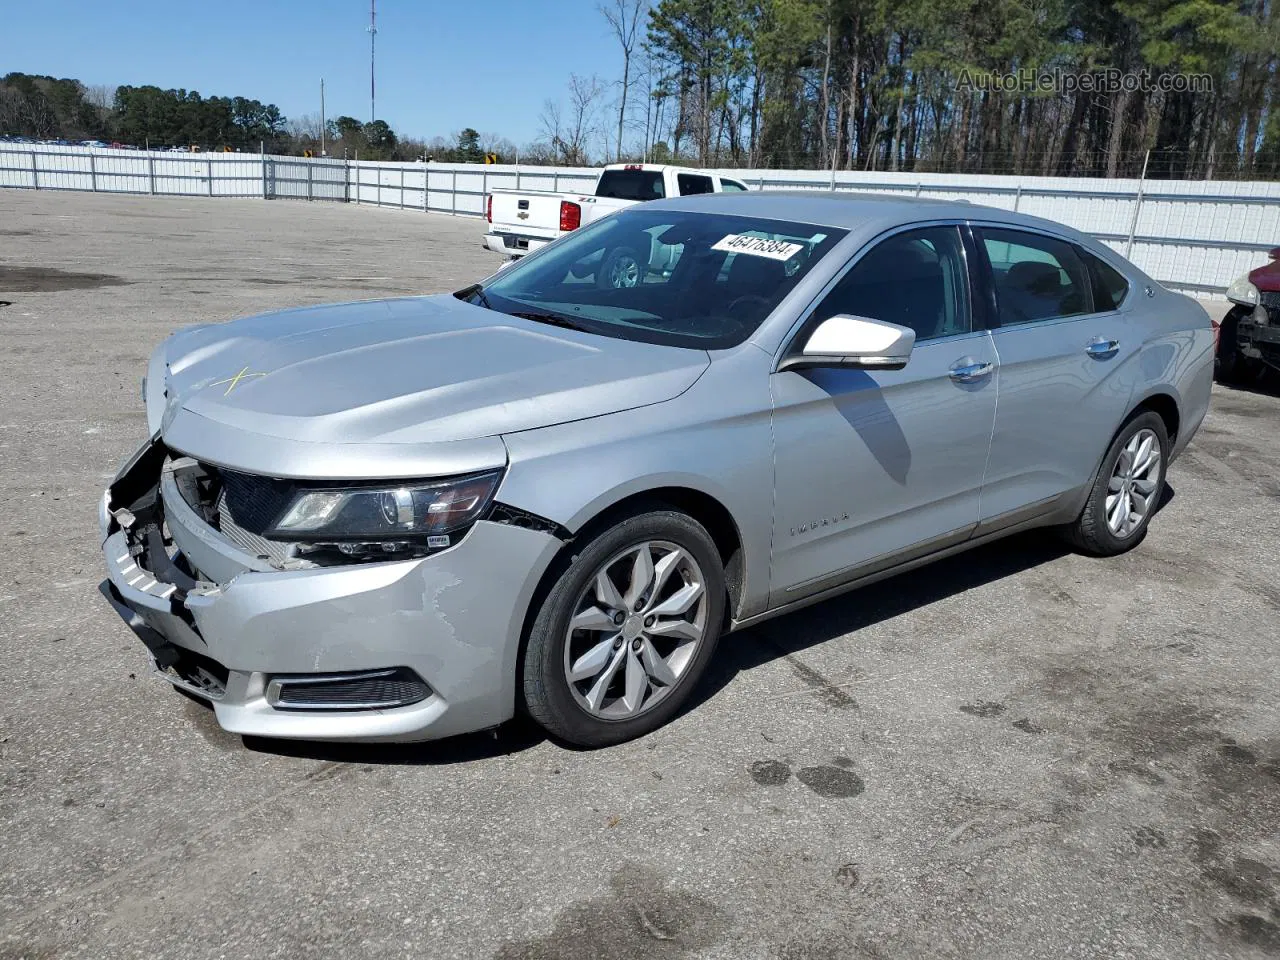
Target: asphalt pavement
x: 1016, y: 753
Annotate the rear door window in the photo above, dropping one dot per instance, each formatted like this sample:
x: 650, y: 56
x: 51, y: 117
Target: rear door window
x: 691, y: 183
x: 631, y: 185
x: 1109, y: 285
x: 1036, y: 277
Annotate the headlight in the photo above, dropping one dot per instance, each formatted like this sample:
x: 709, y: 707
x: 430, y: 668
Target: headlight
x: 388, y: 518
x: 1243, y: 292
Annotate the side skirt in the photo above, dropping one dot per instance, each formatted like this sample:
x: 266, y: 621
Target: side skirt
x: 1042, y: 518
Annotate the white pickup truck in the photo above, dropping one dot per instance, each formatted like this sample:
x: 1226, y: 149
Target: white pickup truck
x: 521, y: 221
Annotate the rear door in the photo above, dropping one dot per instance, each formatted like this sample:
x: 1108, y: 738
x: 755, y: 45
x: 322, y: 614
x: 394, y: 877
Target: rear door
x: 1063, y: 385
x: 873, y: 467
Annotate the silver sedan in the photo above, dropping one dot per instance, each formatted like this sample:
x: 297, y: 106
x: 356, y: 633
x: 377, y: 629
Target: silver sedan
x: 555, y: 491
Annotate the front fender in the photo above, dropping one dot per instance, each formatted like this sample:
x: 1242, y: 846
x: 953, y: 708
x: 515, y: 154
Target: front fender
x: 714, y: 439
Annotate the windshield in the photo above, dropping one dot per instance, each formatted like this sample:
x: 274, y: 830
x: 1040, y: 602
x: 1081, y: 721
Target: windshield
x: 663, y: 276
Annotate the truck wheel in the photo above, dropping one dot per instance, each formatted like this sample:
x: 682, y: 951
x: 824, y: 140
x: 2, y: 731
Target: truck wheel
x: 620, y: 642
x: 623, y: 267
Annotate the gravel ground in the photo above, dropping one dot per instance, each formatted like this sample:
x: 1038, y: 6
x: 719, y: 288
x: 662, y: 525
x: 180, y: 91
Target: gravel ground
x: 1016, y: 753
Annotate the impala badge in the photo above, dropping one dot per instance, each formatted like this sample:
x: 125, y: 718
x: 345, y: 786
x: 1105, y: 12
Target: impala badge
x: 820, y: 522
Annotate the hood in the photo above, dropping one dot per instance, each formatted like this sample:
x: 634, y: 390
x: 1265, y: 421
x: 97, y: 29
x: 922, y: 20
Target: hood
x: 1267, y: 277
x: 415, y: 370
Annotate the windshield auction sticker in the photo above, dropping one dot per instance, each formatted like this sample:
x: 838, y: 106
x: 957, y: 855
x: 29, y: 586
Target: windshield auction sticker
x: 758, y: 246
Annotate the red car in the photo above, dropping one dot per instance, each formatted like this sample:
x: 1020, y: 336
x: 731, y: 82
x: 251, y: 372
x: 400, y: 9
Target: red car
x: 1249, y: 338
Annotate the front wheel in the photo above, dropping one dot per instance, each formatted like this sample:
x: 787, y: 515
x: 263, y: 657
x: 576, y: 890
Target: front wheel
x: 620, y: 641
x: 1127, y: 490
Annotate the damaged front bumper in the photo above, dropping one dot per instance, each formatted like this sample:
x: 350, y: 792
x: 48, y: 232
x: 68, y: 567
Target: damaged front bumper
x: 400, y: 650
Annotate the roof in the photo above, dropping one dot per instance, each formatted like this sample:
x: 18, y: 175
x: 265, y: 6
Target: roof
x: 854, y: 211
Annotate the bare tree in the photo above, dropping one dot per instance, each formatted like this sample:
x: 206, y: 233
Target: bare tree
x: 624, y: 18
x: 100, y: 95
x: 570, y: 129
x: 497, y: 143
x: 304, y: 127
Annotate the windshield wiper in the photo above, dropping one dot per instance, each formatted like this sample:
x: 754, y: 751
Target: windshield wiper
x: 477, y: 291
x: 552, y: 319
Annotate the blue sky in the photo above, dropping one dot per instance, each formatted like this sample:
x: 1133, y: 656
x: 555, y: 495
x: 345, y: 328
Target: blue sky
x: 442, y: 64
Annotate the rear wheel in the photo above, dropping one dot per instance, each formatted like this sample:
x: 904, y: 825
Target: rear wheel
x: 1127, y: 489
x: 622, y: 638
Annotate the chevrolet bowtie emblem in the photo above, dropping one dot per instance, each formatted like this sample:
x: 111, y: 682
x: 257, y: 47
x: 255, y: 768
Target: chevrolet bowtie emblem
x: 231, y: 382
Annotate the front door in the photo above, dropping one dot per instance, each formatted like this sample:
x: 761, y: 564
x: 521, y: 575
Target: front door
x: 872, y: 467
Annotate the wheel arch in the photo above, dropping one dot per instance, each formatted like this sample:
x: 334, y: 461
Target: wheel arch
x: 695, y: 501
x: 1163, y: 403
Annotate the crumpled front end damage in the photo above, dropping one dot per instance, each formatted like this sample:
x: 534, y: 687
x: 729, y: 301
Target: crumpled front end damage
x: 281, y: 647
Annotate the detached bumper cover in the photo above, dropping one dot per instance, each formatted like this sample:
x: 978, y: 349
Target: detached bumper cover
x: 454, y: 619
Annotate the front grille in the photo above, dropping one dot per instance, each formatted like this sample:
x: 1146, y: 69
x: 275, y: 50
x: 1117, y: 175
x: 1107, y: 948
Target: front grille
x: 370, y: 690
x: 255, y: 502
x: 1270, y: 299
x: 229, y: 525
x: 196, y: 672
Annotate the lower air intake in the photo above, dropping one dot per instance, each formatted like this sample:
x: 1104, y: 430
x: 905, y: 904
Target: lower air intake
x: 367, y: 690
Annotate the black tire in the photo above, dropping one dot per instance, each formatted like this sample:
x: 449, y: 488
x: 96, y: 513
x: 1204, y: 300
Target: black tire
x: 621, y: 267
x: 547, y: 695
x: 1090, y: 533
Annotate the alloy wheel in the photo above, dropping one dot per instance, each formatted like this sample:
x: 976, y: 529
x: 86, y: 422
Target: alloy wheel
x: 1132, y: 488
x: 636, y: 629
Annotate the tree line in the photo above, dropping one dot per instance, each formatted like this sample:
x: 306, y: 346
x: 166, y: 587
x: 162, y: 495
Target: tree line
x: 1108, y: 88
x: 48, y: 108
x: 1045, y: 87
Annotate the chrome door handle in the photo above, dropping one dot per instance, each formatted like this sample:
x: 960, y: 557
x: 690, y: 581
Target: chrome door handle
x: 969, y: 372
x: 1100, y: 348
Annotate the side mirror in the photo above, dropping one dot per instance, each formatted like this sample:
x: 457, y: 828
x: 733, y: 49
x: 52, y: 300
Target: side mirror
x: 1274, y: 254
x: 859, y: 342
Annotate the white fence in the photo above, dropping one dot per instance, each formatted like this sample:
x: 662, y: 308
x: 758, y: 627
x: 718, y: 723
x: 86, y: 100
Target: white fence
x: 1195, y: 236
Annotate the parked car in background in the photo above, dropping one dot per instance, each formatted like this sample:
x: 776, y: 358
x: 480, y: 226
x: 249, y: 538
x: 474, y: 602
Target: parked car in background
x: 521, y: 221
x: 402, y: 519
x: 1249, y: 338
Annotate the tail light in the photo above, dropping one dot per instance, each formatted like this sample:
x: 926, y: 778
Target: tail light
x: 570, y: 216
x: 488, y: 208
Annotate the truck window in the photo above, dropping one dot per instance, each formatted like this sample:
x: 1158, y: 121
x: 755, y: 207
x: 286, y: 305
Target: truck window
x: 631, y: 185
x: 691, y: 183
x: 732, y: 186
